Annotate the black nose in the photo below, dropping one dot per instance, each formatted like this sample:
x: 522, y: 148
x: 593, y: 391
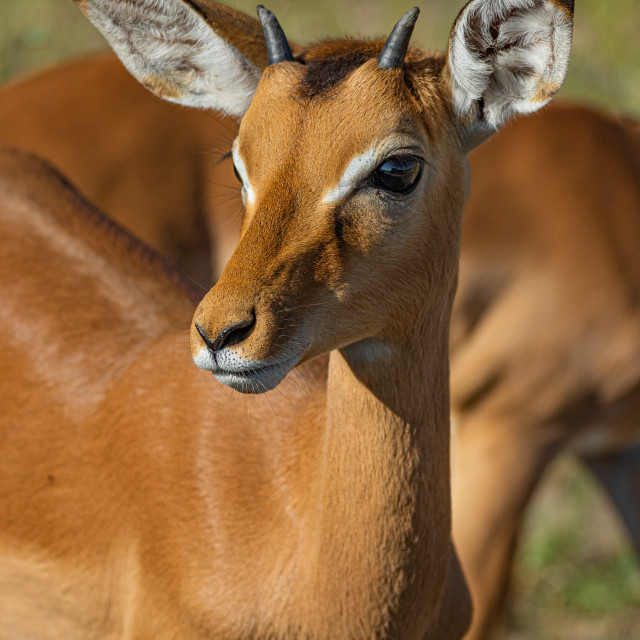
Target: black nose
x: 233, y: 334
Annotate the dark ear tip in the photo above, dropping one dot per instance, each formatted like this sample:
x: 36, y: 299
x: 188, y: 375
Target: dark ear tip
x: 568, y: 4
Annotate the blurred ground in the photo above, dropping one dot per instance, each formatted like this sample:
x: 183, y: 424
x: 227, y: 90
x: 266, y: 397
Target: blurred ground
x: 576, y: 577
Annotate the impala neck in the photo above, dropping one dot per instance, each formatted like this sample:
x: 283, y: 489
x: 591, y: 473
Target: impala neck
x: 384, y: 481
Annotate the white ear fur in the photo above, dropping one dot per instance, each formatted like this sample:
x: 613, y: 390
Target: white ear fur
x: 508, y: 57
x: 171, y: 49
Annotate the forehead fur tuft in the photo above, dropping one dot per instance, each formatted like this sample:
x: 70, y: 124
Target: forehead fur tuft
x: 328, y: 63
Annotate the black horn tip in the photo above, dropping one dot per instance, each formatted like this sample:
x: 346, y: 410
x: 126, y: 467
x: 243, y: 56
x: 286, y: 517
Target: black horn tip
x: 395, y: 48
x: 409, y: 19
x: 278, y: 49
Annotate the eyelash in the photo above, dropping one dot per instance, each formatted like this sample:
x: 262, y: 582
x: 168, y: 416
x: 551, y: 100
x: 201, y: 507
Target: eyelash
x: 235, y: 171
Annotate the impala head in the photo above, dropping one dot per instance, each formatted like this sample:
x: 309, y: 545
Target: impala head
x: 351, y: 156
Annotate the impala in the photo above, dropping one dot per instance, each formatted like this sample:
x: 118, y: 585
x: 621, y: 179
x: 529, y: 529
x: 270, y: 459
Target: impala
x: 146, y: 162
x: 545, y: 339
x: 163, y: 510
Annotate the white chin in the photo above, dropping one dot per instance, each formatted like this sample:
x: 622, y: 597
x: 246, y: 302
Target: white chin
x: 259, y: 381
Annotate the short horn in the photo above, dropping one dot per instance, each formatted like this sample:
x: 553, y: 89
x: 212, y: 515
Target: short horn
x: 278, y: 49
x: 395, y: 48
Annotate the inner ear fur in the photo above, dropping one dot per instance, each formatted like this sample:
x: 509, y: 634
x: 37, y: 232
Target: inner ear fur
x: 197, y: 53
x: 507, y: 57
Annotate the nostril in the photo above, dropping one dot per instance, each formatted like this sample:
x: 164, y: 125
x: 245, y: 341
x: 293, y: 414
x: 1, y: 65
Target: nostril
x: 233, y: 334
x: 204, y: 336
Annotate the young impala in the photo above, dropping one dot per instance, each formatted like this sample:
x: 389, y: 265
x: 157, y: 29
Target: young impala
x: 157, y: 508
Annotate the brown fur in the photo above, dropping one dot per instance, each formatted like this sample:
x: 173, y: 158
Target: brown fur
x: 332, y: 517
x: 145, y: 187
x: 546, y: 326
x: 420, y: 85
x: 502, y: 207
x: 192, y: 536
x: 288, y: 244
x: 237, y: 28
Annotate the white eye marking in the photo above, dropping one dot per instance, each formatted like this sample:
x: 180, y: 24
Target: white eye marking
x: 356, y: 170
x: 242, y: 171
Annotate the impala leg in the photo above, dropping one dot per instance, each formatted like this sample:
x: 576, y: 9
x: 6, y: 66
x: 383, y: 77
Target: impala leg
x: 496, y: 466
x: 454, y: 615
x: 619, y: 474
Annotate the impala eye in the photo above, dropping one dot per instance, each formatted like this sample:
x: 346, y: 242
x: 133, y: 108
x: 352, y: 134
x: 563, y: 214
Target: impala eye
x: 237, y: 174
x: 398, y: 174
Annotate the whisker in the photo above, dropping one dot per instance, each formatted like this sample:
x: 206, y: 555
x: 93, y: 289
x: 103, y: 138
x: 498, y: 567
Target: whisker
x: 188, y: 277
x: 314, y: 304
x: 284, y: 395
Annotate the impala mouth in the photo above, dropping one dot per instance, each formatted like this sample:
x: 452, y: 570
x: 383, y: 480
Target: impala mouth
x: 257, y: 377
x: 231, y: 367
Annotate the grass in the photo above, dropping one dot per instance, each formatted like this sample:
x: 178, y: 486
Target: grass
x: 576, y: 576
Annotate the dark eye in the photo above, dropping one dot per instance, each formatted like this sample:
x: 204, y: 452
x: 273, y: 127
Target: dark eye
x: 398, y: 174
x: 237, y: 174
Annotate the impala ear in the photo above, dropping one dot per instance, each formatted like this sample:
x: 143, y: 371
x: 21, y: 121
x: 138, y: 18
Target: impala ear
x: 197, y: 53
x: 507, y: 57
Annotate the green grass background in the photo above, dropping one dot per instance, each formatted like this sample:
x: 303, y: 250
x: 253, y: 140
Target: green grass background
x: 576, y: 577
x: 605, y: 66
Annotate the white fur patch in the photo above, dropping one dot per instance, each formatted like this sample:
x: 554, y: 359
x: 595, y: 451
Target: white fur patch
x: 205, y: 360
x: 171, y: 49
x: 241, y: 168
x: 248, y: 376
x: 369, y: 350
x: 357, y: 169
x: 508, y: 69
